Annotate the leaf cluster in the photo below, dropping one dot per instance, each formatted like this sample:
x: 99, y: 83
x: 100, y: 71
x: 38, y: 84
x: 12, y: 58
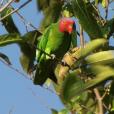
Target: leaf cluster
x: 90, y: 68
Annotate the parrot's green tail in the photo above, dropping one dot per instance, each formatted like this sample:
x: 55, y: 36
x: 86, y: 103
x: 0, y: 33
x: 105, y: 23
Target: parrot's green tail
x: 44, y: 71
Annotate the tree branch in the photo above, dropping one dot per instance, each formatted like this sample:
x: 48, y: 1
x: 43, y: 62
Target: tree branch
x: 99, y: 99
x: 16, y: 70
x: 6, y: 5
x: 26, y: 23
x: 15, y: 10
x: 81, y: 37
x: 107, y: 4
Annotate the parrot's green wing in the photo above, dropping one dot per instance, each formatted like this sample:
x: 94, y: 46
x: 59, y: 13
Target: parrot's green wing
x: 42, y: 44
x: 74, y: 39
x: 44, y: 71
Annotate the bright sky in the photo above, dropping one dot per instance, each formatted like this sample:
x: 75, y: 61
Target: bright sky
x: 18, y: 94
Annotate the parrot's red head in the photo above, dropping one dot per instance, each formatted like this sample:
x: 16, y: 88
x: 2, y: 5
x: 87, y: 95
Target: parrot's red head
x: 66, y: 25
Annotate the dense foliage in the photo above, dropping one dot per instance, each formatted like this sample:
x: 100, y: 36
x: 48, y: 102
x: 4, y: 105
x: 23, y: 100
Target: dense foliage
x: 85, y: 84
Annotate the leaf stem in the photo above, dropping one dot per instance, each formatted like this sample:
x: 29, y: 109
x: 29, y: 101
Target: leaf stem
x: 15, y: 10
x: 6, y: 5
x: 81, y: 37
x: 107, y: 4
x: 99, y: 99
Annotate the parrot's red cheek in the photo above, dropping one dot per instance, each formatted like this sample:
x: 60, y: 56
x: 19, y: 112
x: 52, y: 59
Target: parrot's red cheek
x: 62, y: 26
x: 66, y: 25
x: 70, y: 29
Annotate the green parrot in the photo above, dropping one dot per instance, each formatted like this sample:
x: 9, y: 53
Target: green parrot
x: 56, y: 40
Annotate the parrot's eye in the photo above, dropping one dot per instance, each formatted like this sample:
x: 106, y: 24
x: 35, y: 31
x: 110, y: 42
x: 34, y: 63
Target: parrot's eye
x: 66, y: 25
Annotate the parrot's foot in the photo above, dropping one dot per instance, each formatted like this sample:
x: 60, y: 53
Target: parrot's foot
x: 53, y: 56
x: 64, y: 63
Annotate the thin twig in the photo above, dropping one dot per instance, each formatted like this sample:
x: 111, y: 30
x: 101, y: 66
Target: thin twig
x: 26, y: 23
x: 86, y: 108
x: 6, y: 5
x: 99, y: 99
x: 106, y: 107
x: 81, y: 37
x: 15, y: 10
x: 16, y: 70
x: 31, y: 25
x: 107, y: 4
x: 22, y: 74
x: 103, y: 96
x: 22, y: 18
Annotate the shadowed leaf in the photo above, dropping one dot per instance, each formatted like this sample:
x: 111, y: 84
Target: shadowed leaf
x: 28, y: 50
x: 71, y: 84
x: 86, y: 19
x: 10, y: 39
x: 74, y: 88
x: 5, y: 58
x: 103, y: 57
x: 26, y: 44
x: 8, y: 21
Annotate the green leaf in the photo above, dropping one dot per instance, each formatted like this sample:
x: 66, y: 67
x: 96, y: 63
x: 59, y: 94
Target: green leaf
x: 111, y: 88
x: 28, y: 50
x: 42, y: 4
x: 88, y: 49
x: 108, y: 28
x: 86, y: 18
x: 103, y: 57
x: 51, y: 10
x: 80, y: 55
x: 26, y: 44
x: 8, y: 21
x: 16, y: 38
x: 72, y: 87
x: 104, y: 3
x: 91, y: 46
x: 71, y: 84
x: 106, y: 73
x: 97, y: 2
x: 54, y: 111
x: 5, y: 58
x: 63, y: 111
x: 112, y: 106
x: 10, y: 39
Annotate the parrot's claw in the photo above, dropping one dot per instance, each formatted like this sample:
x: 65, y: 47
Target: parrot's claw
x: 53, y: 56
x: 64, y: 63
